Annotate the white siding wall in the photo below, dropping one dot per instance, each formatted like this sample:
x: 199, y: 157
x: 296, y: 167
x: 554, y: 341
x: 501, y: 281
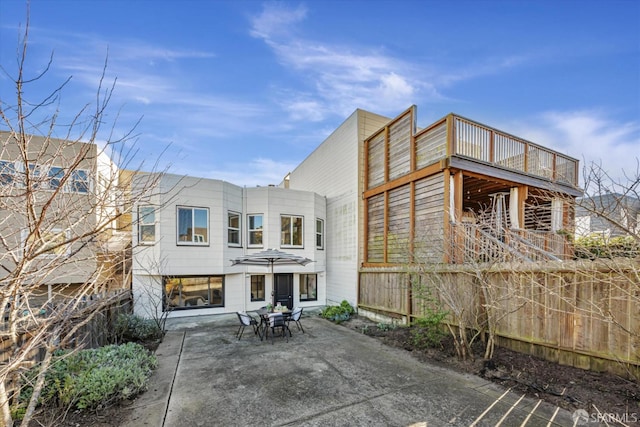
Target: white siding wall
x: 165, y: 257
x: 334, y: 170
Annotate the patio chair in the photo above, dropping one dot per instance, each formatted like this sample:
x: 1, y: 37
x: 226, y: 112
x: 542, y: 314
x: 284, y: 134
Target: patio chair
x: 296, y: 314
x: 247, y: 320
x: 276, y: 321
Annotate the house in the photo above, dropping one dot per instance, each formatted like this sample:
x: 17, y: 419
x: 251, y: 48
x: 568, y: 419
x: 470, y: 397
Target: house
x: 191, y: 228
x: 56, y: 214
x: 607, y: 215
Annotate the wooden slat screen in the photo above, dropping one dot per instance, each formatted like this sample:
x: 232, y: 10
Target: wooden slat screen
x: 429, y: 231
x: 400, y: 146
x: 375, y: 229
x: 431, y: 145
x: 399, y: 225
x: 376, y: 161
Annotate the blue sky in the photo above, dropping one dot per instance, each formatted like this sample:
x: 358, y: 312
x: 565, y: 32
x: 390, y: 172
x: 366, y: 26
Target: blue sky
x: 245, y: 90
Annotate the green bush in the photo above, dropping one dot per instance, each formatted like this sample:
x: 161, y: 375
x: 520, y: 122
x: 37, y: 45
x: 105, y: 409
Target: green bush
x: 95, y: 378
x: 338, y: 313
x: 130, y: 327
x: 426, y: 332
x: 596, y: 246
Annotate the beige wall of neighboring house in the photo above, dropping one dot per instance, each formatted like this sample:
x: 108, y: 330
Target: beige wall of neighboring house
x: 70, y: 206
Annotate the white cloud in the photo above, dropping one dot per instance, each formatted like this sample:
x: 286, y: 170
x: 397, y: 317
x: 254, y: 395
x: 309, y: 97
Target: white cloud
x: 589, y: 136
x: 263, y: 171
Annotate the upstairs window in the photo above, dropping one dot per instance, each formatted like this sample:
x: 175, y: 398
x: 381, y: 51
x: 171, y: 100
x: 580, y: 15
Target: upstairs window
x: 7, y: 173
x: 79, y: 181
x: 291, y: 231
x: 55, y: 175
x: 233, y: 230
x: 319, y: 234
x: 146, y: 224
x: 255, y: 230
x: 193, y: 226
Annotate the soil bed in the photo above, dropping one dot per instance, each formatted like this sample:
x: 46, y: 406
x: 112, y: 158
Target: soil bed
x: 564, y: 386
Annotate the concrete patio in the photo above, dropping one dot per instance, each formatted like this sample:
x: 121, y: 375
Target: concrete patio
x: 330, y: 375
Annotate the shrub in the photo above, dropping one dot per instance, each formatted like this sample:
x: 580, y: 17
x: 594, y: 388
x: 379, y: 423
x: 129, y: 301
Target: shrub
x: 596, y: 246
x: 95, y: 378
x: 130, y: 327
x: 338, y: 313
x: 426, y: 331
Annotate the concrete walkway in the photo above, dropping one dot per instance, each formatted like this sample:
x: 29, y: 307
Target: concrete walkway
x: 328, y: 376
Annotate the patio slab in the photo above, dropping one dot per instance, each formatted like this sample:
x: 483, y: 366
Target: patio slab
x: 329, y: 375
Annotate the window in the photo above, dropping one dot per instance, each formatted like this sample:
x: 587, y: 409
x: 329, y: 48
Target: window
x: 146, y: 224
x: 257, y: 287
x: 79, y: 181
x: 233, y: 232
x: 291, y: 227
x: 193, y: 226
x: 7, y: 173
x: 319, y: 233
x: 308, y: 287
x: 193, y: 292
x: 255, y: 230
x: 55, y: 176
x: 50, y: 244
x: 34, y: 176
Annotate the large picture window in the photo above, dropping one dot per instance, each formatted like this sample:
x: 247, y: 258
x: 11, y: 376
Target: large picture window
x: 80, y: 181
x: 255, y: 230
x: 193, y: 292
x: 146, y: 224
x: 193, y: 226
x: 291, y: 231
x: 319, y: 234
x: 308, y: 287
x: 257, y: 287
x: 233, y: 231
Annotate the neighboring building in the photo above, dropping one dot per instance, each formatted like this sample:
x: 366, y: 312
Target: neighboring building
x: 191, y: 228
x: 608, y: 215
x: 54, y: 197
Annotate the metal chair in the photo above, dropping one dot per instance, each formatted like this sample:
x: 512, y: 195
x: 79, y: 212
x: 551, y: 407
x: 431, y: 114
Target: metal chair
x: 246, y: 320
x: 295, y: 317
x: 276, y: 321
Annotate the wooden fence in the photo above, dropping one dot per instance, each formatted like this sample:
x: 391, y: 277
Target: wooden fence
x: 95, y: 333
x: 583, y: 314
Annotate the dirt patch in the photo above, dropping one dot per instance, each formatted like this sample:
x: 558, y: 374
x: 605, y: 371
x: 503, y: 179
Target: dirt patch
x: 564, y: 386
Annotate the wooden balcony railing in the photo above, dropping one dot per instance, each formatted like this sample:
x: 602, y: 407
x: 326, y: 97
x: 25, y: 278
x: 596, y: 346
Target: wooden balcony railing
x: 456, y: 135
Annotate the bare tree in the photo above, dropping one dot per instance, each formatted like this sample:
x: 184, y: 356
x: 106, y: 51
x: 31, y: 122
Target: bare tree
x: 64, y: 251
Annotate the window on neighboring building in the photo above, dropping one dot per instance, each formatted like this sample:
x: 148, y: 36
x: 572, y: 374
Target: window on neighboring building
x: 35, y: 179
x: 193, y: 292
x: 257, y: 287
x: 146, y: 224
x: 255, y: 230
x: 50, y: 243
x: 79, y: 181
x: 7, y: 173
x: 320, y: 233
x: 55, y: 175
x: 233, y: 232
x: 291, y: 230
x: 193, y: 226
x: 308, y: 287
